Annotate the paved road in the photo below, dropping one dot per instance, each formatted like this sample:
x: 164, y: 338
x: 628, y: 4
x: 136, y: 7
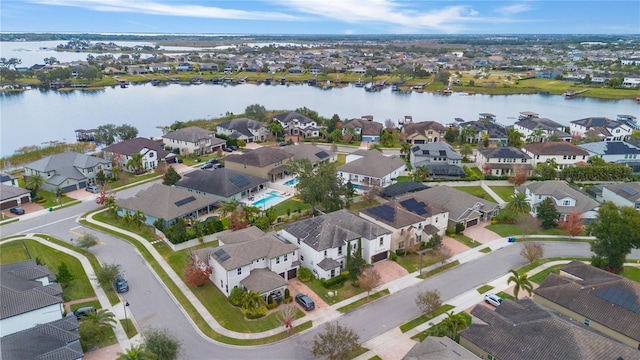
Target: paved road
x: 151, y: 305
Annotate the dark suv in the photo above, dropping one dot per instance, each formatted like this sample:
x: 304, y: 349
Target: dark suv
x: 305, y: 302
x: 121, y: 285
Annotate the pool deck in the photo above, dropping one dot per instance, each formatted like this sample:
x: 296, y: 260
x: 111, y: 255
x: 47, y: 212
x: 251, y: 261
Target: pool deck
x: 266, y: 193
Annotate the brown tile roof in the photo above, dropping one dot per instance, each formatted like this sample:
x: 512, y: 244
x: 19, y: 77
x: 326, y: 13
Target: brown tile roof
x: 371, y: 128
x: 132, y: 146
x: 421, y: 128
x: 588, y: 296
x: 555, y: 148
x: 260, y: 157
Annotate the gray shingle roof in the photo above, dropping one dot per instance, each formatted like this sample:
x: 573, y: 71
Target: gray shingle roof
x: 222, y: 182
x: 383, y: 165
x: 459, y: 204
x: 21, y: 292
x: 560, y: 190
x: 190, y: 134
x: 422, y: 127
x: 435, y: 149
x: 159, y: 201
x: 310, y: 152
x: 368, y: 128
x: 56, y: 340
x: 260, y: 157
x: 9, y: 192
x: 243, y: 126
x: 328, y: 263
x: 68, y: 160
x: 493, y: 130
x: 20, y: 302
x: 135, y: 146
x: 289, y: 116
x: 503, y: 153
x: 334, y: 229
x: 625, y: 190
x: 439, y: 348
x: 244, y: 253
x: 263, y: 281
x: 239, y: 236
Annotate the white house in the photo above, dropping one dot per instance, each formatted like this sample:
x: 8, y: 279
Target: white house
x: 323, y: 241
x: 613, y: 151
x: 297, y: 124
x: 623, y: 194
x: 539, y: 129
x: 503, y: 161
x: 243, y: 129
x: 193, y: 139
x: 563, y: 153
x: 252, y: 260
x: 359, y: 168
x: 566, y: 198
x: 631, y: 81
x: 601, y: 127
x: 152, y: 153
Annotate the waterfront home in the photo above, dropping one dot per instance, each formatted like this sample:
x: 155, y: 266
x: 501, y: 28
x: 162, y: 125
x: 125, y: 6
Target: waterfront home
x: 137, y: 70
x: 410, y: 221
x: 193, y: 139
x: 323, y: 241
x: 602, y: 128
x: 495, y: 133
x: 263, y: 162
x: 314, y: 154
x: 252, y: 260
x: 243, y: 129
x: 210, y: 67
x: 223, y: 184
x: 184, y: 67
x: 503, y: 161
x: 296, y: 124
x: 422, y: 132
x: 563, y: 153
x: 440, y: 159
x: 566, y: 199
x: 167, y: 203
x: 537, y: 129
x: 153, y: 153
x: 622, y: 194
x: 359, y: 168
x: 363, y: 129
x: 160, y: 68
x: 68, y: 171
x: 615, y: 152
x: 605, y: 302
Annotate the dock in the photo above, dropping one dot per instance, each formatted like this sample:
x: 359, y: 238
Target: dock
x: 570, y: 94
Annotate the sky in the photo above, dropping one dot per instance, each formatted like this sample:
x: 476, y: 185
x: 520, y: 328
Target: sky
x: 322, y: 16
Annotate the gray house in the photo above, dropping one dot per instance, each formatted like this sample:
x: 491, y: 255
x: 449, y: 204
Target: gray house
x: 69, y: 171
x: 439, y: 158
x: 58, y: 339
x: 223, y: 184
x: 243, y: 129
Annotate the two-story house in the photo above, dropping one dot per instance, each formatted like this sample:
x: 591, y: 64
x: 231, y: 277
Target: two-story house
x: 252, y: 260
x: 243, y: 129
x: 410, y: 221
x: 602, y: 128
x: 363, y: 129
x: 503, y: 161
x: 264, y: 162
x: 563, y: 153
x: 359, y: 170
x: 193, y: 139
x: 566, y: 198
x: 313, y: 153
x: 537, y: 129
x: 613, y: 151
x: 153, y: 153
x: 223, y: 184
x: 439, y: 158
x: 495, y: 133
x: 296, y: 124
x: 323, y: 241
x: 423, y: 132
x: 623, y: 194
x: 68, y: 171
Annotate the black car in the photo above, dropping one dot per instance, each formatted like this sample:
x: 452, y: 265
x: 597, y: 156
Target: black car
x: 228, y: 149
x: 213, y: 161
x: 84, y: 312
x: 121, y: 285
x: 17, y: 210
x: 233, y: 147
x: 206, y: 166
x: 305, y: 302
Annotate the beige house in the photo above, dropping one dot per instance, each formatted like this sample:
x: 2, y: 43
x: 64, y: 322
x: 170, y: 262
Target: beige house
x: 423, y: 132
x: 503, y: 161
x: 265, y: 162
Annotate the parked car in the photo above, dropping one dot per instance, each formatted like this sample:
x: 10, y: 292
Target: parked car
x: 493, y: 299
x: 17, y: 210
x: 305, y: 302
x: 213, y: 161
x: 121, y: 285
x: 228, y: 149
x: 92, y: 189
x: 233, y: 147
x: 206, y: 166
x: 282, y: 143
x: 218, y: 166
x: 84, y: 312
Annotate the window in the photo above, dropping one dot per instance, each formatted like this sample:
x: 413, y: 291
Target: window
x: 381, y: 241
x: 587, y: 322
x: 278, y: 260
x: 325, y: 253
x: 286, y: 257
x: 436, y: 218
x: 566, y: 202
x: 419, y: 226
x: 301, y: 258
x: 150, y: 154
x: 401, y: 245
x: 523, y: 160
x: 239, y: 271
x: 340, y: 250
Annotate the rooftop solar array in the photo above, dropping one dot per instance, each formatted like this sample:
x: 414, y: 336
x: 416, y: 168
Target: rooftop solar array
x: 443, y: 153
x: 384, y: 212
x: 185, y: 201
x: 629, y: 191
x: 418, y: 208
x: 239, y: 181
x: 620, y: 297
x: 322, y: 155
x: 221, y: 255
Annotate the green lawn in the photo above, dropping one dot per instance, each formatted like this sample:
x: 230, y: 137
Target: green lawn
x: 485, y: 250
x: 504, y: 295
x: 539, y: 277
x: 423, y: 318
x: 476, y: 191
x: 128, y: 325
x: 343, y: 292
x: 466, y: 240
x: 94, y: 303
x: 356, y: 304
x: 356, y: 207
x: 484, y: 288
x: 291, y: 205
x: 411, y: 262
x: 403, y: 178
x: 440, y: 269
x: 632, y: 273
x: 505, y: 230
x: 504, y: 192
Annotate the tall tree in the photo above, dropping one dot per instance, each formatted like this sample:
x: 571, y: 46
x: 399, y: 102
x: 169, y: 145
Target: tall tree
x: 137, y: 352
x: 572, y: 224
x: 319, y: 186
x: 532, y: 251
x: 64, y: 275
x: 107, y: 275
x: 514, y: 138
x: 256, y: 112
x: 228, y: 207
x: 453, y: 323
x: 106, y: 134
x: 276, y: 128
x: 34, y: 183
x: 617, y: 231
x: 428, y: 301
x: 171, y: 177
x: 164, y: 344
x: 520, y: 282
x: 337, y: 342
x: 547, y: 213
x: 519, y: 203
x: 405, y: 149
x: 135, y: 163
x: 126, y: 132
x: 368, y: 279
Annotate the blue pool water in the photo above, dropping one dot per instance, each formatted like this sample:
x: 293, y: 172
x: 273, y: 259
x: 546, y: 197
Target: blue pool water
x: 292, y: 182
x: 360, y: 187
x: 271, y: 199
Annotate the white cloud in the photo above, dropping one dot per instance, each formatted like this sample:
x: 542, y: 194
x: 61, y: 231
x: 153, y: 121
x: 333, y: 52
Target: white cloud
x: 514, y: 9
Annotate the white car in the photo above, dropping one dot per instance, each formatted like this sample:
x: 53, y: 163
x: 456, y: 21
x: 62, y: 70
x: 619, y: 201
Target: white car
x: 493, y: 299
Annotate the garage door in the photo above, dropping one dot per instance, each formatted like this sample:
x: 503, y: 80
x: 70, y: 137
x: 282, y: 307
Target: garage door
x: 379, y: 257
x: 25, y: 200
x: 9, y: 204
x: 472, y: 222
x: 69, y: 188
x: 82, y: 184
x: 291, y: 274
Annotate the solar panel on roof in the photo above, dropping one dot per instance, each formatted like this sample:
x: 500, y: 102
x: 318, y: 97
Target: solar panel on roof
x: 443, y: 153
x: 221, y: 255
x: 384, y: 212
x: 185, y: 201
x: 239, y: 181
x: 620, y: 297
x: 629, y: 191
x: 322, y: 155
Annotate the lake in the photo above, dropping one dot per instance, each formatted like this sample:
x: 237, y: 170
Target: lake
x: 38, y: 116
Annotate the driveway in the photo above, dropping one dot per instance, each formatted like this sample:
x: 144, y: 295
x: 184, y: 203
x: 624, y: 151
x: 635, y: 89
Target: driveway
x: 298, y: 287
x: 480, y: 234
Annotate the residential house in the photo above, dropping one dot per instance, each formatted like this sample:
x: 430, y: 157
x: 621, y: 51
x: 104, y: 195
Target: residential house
x: 423, y: 132
x: 402, y: 188
x: 439, y: 348
x: 223, y: 184
x: 439, y: 158
x: 363, y: 129
x: 153, y: 153
x: 463, y: 208
x: 410, y: 221
x: 264, y: 162
x: 159, y: 68
x: 523, y: 329
x: 313, y: 153
x: 602, y: 128
x: 548, y: 73
x: 495, y: 133
x: 295, y: 70
x: 537, y: 129
x: 12, y: 196
x: 184, y: 67
x: 8, y: 179
x: 193, y: 139
x: 58, y: 339
x: 623, y: 194
x: 68, y: 171
x: 210, y: 67
x: 243, y: 129
x: 615, y: 152
x: 167, y: 203
x: 323, y: 241
x: 359, y: 170
x: 562, y: 153
x: 631, y: 81
x: 503, y: 161
x: 252, y: 260
x: 315, y: 69
x: 603, y: 301
x: 296, y: 124
x: 30, y: 296
x: 137, y: 70
x: 383, y: 68
x: 566, y: 198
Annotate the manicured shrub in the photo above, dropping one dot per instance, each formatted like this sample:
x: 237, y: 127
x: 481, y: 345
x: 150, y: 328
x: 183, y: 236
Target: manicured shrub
x: 272, y: 306
x: 334, y: 282
x: 305, y: 274
x: 393, y: 256
x: 288, y: 299
x: 255, y: 313
x: 236, y: 296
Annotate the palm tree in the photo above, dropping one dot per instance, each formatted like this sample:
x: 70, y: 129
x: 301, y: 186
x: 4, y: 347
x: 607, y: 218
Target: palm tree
x: 276, y: 128
x: 405, y: 149
x: 135, y: 163
x: 35, y: 182
x: 128, y: 218
x: 251, y: 300
x: 104, y: 319
x: 519, y: 203
x: 139, y: 218
x: 535, y: 136
x: 420, y: 174
x: 521, y: 282
x: 466, y: 133
x: 59, y: 195
x: 228, y: 207
x: 376, y: 146
x: 453, y: 323
x: 137, y: 352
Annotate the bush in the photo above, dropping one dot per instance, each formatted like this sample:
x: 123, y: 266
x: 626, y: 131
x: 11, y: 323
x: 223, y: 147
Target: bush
x: 305, y: 274
x: 272, y: 306
x: 287, y: 293
x: 448, y: 232
x: 400, y: 252
x: 288, y: 299
x: 459, y: 228
x: 334, y: 282
x: 505, y: 217
x: 236, y: 296
x: 393, y: 256
x: 255, y: 313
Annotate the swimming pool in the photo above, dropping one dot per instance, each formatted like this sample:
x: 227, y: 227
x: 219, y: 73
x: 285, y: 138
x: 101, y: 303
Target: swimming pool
x: 292, y: 182
x: 271, y: 198
x: 360, y: 187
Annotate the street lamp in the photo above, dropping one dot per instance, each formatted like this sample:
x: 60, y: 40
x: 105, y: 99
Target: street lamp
x: 421, y: 253
x: 125, y: 305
